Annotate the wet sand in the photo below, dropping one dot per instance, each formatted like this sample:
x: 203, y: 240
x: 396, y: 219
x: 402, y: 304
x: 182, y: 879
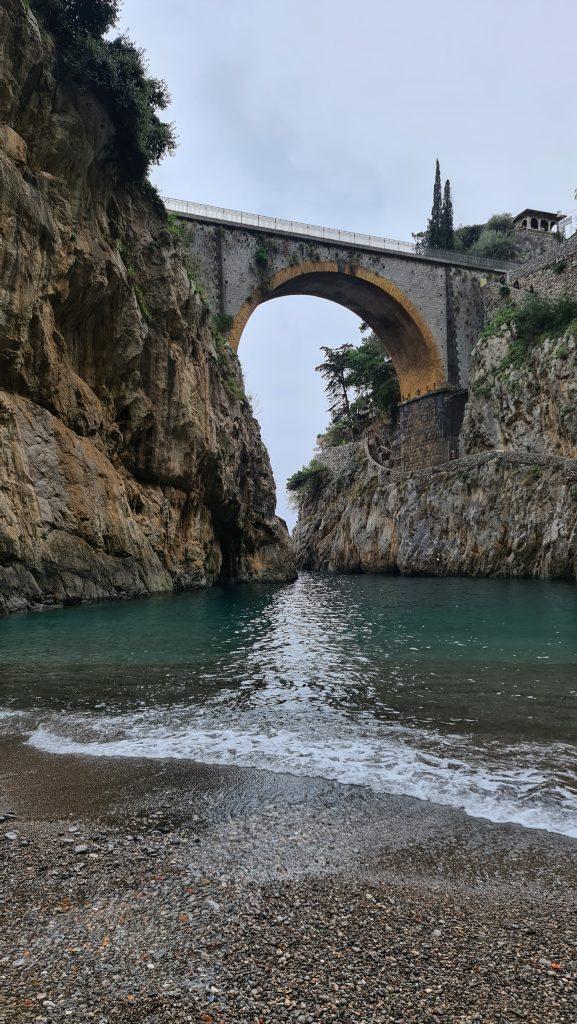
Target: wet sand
x: 167, y: 891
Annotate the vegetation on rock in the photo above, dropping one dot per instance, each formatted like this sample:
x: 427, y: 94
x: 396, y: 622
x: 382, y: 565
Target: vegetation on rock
x: 494, y: 245
x: 494, y: 239
x: 531, y: 322
x: 466, y: 235
x: 535, y: 318
x: 306, y: 481
x: 115, y: 72
x: 362, y: 386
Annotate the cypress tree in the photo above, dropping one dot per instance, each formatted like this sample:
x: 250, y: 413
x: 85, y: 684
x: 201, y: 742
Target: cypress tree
x: 434, y: 238
x: 447, y: 231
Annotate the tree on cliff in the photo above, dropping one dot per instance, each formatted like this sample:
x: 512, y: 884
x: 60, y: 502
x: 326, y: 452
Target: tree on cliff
x: 362, y: 385
x: 77, y: 16
x: 335, y: 371
x: 439, y: 233
x: 115, y: 71
x: 434, y: 233
x: 447, y: 231
x: 373, y: 379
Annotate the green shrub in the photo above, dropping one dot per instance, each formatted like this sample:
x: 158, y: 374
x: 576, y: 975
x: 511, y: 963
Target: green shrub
x: 235, y: 389
x: 535, y: 319
x: 500, y: 222
x: 504, y: 290
x: 466, y: 236
x: 115, y: 72
x: 337, y: 433
x: 223, y: 322
x: 574, y: 492
x: 308, y: 479
x: 494, y: 245
x: 561, y: 352
x: 539, y: 317
x: 77, y: 16
x: 153, y: 195
x: 176, y: 227
x: 503, y: 318
x: 261, y: 256
x: 516, y: 356
x: 560, y: 267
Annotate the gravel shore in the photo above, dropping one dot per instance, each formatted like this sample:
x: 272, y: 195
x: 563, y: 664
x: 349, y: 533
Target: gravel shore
x: 165, y: 892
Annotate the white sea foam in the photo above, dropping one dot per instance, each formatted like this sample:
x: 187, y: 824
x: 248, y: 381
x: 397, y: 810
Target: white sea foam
x: 528, y: 784
x: 12, y: 721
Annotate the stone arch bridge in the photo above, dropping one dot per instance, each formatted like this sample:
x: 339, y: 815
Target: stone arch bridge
x: 426, y: 308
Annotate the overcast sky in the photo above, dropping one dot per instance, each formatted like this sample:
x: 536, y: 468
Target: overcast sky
x: 333, y: 112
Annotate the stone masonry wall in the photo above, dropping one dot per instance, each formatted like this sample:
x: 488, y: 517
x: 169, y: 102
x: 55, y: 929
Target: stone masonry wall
x: 534, y: 245
x: 558, y: 252
x: 428, y: 430
x: 466, y: 317
x: 553, y: 279
x: 340, y: 459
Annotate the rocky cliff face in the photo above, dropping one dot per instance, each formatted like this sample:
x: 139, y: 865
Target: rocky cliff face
x: 531, y: 407
x: 507, y: 507
x: 129, y: 459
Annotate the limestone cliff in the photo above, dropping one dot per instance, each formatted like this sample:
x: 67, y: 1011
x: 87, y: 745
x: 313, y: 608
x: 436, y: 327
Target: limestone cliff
x: 507, y: 507
x: 129, y: 458
x: 531, y: 407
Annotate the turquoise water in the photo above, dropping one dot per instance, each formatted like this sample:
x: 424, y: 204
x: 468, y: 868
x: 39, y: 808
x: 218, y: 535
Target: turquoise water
x: 454, y: 690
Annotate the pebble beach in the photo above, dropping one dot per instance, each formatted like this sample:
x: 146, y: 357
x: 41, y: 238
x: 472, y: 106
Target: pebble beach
x: 169, y: 892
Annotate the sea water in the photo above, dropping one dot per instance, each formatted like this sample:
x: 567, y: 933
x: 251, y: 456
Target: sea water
x: 460, y: 691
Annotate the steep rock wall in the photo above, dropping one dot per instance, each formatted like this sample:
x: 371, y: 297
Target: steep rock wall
x: 501, y: 514
x: 129, y: 458
x: 507, y: 507
x: 528, y: 407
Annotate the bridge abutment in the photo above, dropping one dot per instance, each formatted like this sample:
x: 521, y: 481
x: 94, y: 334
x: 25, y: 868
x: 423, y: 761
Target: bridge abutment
x: 428, y: 430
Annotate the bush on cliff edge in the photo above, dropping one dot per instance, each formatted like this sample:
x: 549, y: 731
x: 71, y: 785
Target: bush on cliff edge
x: 533, y: 320
x: 307, y: 482
x: 115, y: 71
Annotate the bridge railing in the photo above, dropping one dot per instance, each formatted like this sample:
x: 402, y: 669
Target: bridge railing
x: 220, y: 215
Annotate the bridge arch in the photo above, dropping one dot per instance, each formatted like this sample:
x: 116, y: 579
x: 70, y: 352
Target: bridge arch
x: 404, y: 333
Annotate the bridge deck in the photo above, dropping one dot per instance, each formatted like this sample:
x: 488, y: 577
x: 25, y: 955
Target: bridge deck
x: 292, y: 228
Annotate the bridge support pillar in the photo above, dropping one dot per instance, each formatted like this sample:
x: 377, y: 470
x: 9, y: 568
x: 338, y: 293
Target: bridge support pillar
x: 428, y: 430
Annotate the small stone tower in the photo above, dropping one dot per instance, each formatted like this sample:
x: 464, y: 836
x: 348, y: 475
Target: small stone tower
x: 537, y: 232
